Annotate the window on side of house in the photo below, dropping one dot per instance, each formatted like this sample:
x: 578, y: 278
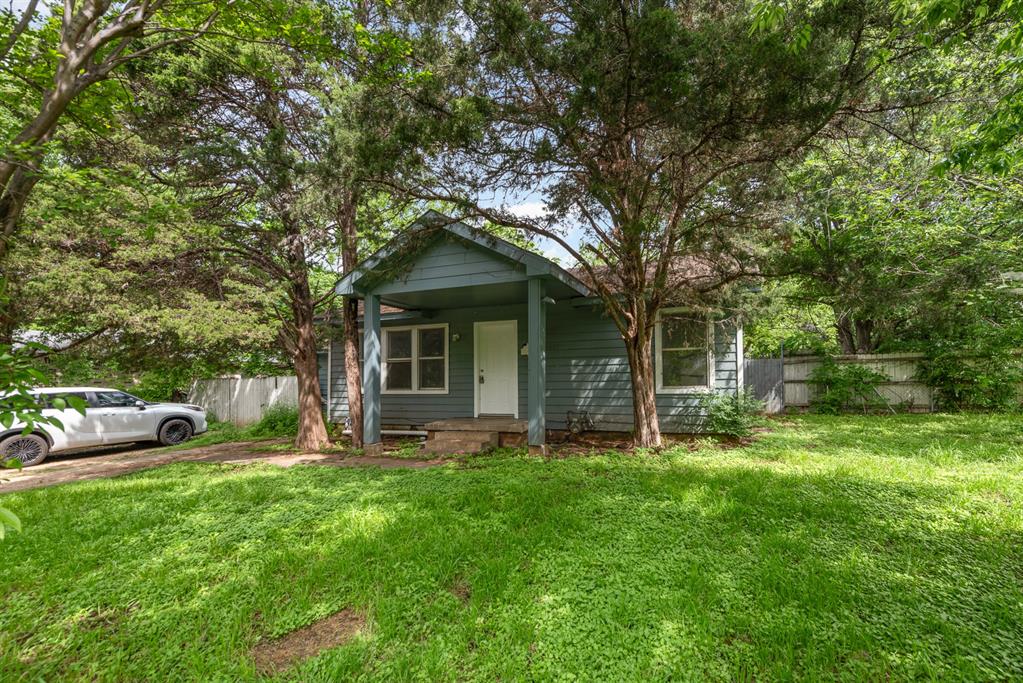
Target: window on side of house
x: 683, y: 342
x: 432, y: 358
x: 415, y: 359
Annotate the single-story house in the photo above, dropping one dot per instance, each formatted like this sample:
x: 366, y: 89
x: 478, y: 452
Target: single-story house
x: 465, y: 332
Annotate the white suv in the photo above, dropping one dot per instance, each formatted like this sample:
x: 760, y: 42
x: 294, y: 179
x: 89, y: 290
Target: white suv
x: 111, y: 417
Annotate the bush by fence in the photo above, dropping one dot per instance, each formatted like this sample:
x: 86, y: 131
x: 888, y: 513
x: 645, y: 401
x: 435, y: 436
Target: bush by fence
x: 901, y: 381
x: 900, y: 385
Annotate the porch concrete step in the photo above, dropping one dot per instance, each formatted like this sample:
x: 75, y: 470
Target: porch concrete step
x: 460, y: 442
x: 464, y: 434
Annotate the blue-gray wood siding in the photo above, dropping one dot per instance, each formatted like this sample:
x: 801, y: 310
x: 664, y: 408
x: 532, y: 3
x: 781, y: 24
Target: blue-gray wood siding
x: 587, y: 370
x: 453, y: 263
x: 323, y: 365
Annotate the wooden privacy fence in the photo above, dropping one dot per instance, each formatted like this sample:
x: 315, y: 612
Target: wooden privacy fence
x: 901, y: 389
x: 764, y: 378
x: 243, y: 400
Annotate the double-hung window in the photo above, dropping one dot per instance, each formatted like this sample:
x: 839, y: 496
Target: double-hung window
x: 416, y: 359
x: 683, y: 343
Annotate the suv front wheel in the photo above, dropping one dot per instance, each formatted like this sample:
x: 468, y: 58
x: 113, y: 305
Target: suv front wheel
x: 28, y: 449
x: 173, y: 432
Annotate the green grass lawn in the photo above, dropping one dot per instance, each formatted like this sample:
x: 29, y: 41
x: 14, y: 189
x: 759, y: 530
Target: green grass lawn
x: 833, y: 548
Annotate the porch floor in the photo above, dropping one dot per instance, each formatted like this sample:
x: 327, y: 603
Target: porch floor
x: 507, y: 425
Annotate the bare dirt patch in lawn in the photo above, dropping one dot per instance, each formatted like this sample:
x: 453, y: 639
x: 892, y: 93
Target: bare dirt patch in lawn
x: 462, y: 590
x: 566, y: 445
x: 104, y: 463
x: 385, y: 462
x: 563, y: 444
x: 111, y: 462
x: 283, y: 653
x: 103, y: 618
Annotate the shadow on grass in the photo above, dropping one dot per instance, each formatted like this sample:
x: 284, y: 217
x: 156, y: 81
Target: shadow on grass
x: 608, y: 568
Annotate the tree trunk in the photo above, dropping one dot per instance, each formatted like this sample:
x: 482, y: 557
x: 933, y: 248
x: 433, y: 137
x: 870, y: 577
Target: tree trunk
x: 635, y: 321
x: 846, y: 336
x: 855, y: 335
x: 19, y: 175
x: 353, y: 371
x: 350, y: 317
x: 865, y: 336
x: 12, y: 202
x: 312, y: 431
x: 7, y: 310
x: 647, y: 432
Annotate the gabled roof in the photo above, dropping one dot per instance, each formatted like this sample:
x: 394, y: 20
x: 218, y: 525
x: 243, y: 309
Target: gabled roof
x: 432, y: 223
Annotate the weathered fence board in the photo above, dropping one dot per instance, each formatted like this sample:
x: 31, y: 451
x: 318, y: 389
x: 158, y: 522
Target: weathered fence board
x: 243, y: 400
x: 902, y: 388
x: 765, y: 379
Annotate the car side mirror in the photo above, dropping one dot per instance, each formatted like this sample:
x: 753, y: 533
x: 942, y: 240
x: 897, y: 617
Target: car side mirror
x: 141, y: 405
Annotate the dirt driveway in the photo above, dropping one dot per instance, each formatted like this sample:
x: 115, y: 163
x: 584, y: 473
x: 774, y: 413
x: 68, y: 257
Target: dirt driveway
x: 61, y: 468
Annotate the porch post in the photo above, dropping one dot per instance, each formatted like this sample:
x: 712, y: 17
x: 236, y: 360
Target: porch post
x: 371, y: 373
x: 537, y: 367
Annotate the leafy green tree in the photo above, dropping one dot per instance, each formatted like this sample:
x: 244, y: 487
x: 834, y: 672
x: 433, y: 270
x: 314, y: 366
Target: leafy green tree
x: 903, y: 257
x: 58, y: 61
x: 374, y: 132
x: 156, y: 249
x: 995, y: 27
x: 54, y: 53
x: 993, y: 141
x: 104, y: 262
x: 233, y: 124
x: 654, y: 127
x: 278, y: 144
x: 294, y: 146
x: 781, y: 318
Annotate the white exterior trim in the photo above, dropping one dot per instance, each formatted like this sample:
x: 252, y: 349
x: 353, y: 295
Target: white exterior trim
x: 330, y: 369
x: 414, y: 360
x: 476, y: 365
x: 659, y: 365
x: 740, y: 359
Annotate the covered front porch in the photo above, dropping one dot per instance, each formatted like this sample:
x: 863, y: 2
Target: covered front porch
x: 454, y: 325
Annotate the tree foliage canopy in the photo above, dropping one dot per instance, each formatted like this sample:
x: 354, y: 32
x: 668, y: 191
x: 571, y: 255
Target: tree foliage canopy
x: 903, y: 256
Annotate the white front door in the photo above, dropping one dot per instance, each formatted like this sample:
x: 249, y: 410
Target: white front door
x: 497, y: 361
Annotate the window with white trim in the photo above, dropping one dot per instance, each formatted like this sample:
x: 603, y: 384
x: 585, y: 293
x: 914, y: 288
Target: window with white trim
x: 684, y: 342
x: 415, y: 359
